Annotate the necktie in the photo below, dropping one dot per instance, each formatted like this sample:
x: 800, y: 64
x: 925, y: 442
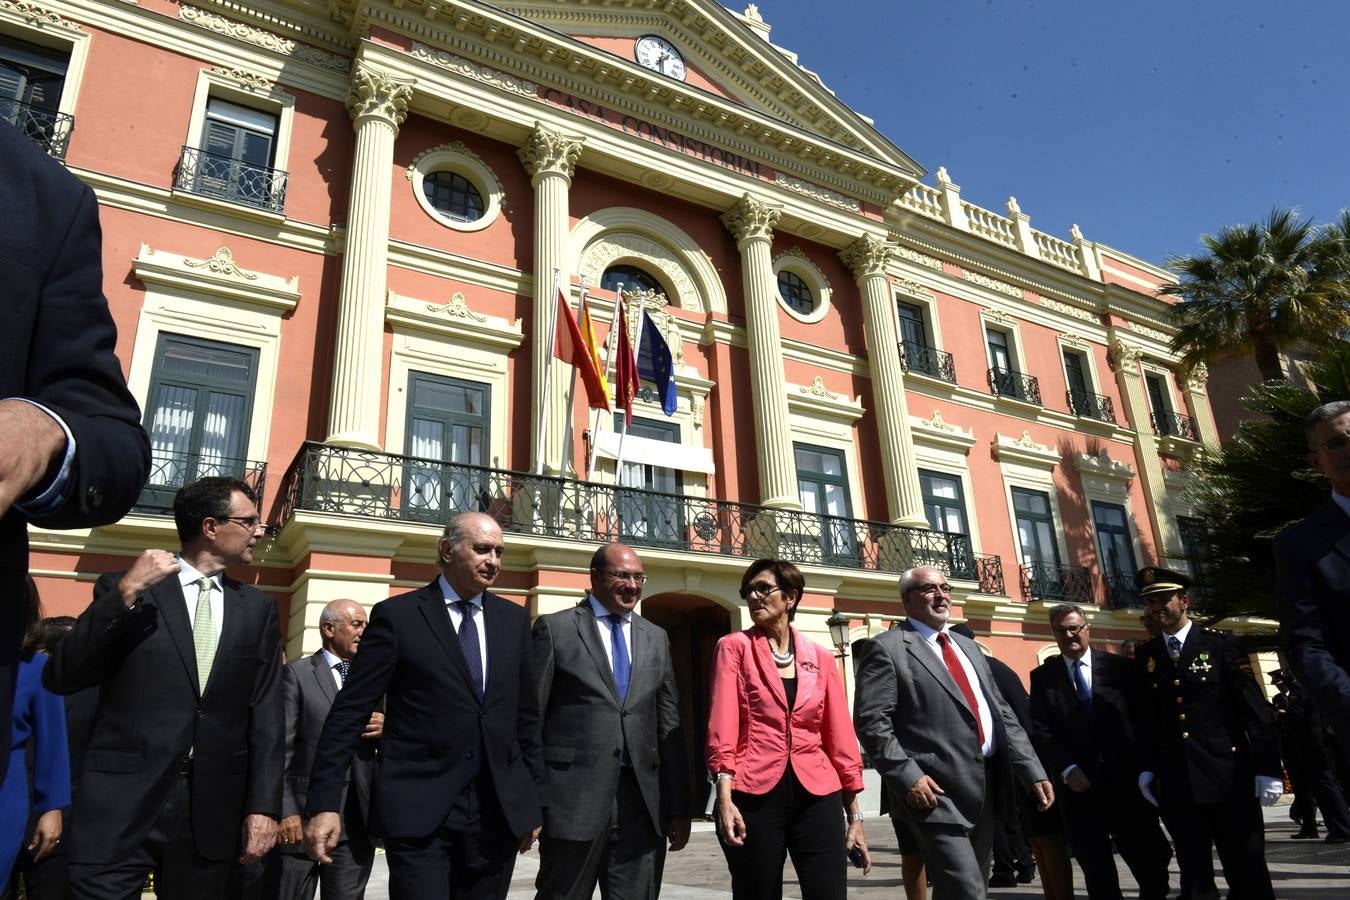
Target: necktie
x: 618, y: 653
x: 204, y: 634
x: 468, y: 642
x: 962, y: 682
x: 1174, y: 648
x: 1080, y: 685
x: 343, y: 667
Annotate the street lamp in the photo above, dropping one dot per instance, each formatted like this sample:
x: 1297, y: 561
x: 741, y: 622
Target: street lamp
x: 838, y: 624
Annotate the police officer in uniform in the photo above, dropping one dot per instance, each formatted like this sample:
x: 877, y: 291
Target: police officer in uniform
x: 1208, y: 749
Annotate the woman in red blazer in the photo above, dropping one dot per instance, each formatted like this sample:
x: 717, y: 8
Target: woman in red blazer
x: 786, y: 781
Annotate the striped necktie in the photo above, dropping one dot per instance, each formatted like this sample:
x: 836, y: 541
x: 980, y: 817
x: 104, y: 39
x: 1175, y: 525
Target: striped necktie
x: 204, y: 633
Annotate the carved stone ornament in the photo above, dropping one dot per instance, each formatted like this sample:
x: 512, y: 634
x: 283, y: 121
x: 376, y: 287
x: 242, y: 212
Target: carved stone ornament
x: 1076, y: 233
x: 1197, y: 377
x: 470, y: 69
x: 696, y: 410
x: 867, y: 256
x: 222, y: 263
x: 260, y: 37
x: 817, y: 389
x: 942, y: 176
x: 249, y: 81
x: 1156, y: 334
x: 913, y: 288
x: 751, y: 218
x: 1072, y: 340
x: 374, y: 93
x: 999, y: 316
x: 654, y: 302
x: 620, y: 245
x: 923, y: 259
x: 1026, y: 442
x: 549, y: 152
x: 940, y: 424
x: 1103, y: 466
x: 993, y: 284
x: 38, y: 16
x: 1124, y: 355
x: 456, y: 308
x: 815, y: 191
x: 1068, y: 310
x: 797, y: 252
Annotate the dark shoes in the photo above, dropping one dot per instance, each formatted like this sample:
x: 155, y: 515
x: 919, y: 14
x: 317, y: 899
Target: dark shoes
x: 1027, y: 875
x: 1307, y: 834
x: 1000, y: 880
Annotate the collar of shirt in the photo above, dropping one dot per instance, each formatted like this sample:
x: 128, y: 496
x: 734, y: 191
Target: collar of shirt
x: 600, y: 612
x: 451, y: 597
x: 329, y: 658
x: 1342, y: 502
x: 1086, y: 660
x: 926, y: 631
x: 1180, y: 635
x: 187, y: 575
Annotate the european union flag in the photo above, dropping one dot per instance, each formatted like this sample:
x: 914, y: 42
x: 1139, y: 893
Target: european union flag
x: 656, y: 364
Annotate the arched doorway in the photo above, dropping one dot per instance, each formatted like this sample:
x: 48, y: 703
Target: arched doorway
x: 694, y: 625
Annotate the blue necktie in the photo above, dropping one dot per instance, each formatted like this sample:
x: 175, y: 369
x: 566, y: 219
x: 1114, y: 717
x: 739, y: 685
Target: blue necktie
x: 1080, y: 685
x: 618, y: 651
x: 1174, y: 648
x: 468, y: 642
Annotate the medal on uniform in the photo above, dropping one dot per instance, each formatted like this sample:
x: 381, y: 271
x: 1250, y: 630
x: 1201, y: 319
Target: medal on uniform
x: 1152, y: 664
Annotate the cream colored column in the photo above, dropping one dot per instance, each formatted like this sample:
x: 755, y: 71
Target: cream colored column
x: 378, y: 104
x: 1197, y: 404
x: 549, y: 157
x: 867, y: 257
x: 752, y: 222
x: 1131, y: 383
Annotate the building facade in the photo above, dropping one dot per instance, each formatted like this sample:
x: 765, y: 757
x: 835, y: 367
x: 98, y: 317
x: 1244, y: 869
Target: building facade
x: 331, y: 232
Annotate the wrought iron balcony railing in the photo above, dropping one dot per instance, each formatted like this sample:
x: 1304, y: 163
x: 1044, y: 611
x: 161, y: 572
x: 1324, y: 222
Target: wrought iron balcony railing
x: 1091, y: 406
x: 1060, y: 584
x: 170, y: 471
x: 230, y: 179
x: 925, y: 360
x: 1010, y: 383
x: 384, y: 486
x: 989, y: 573
x: 1121, y: 592
x: 48, y: 128
x: 1170, y: 424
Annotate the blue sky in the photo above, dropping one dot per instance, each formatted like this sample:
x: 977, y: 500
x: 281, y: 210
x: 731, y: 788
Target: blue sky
x: 1148, y: 123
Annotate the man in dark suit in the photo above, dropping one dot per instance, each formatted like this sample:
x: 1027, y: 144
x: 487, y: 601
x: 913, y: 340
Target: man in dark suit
x: 308, y: 688
x: 460, y: 784
x: 613, y: 748
x: 1080, y: 724
x: 941, y: 737
x: 72, y: 450
x: 182, y: 774
x: 1206, y: 742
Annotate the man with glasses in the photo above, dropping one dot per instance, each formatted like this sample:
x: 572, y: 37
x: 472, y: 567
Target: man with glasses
x: 1080, y: 715
x: 182, y: 774
x: 942, y: 738
x: 618, y: 780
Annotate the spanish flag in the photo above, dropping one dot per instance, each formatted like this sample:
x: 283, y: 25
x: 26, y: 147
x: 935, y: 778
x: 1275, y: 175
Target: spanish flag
x: 571, y: 347
x: 593, y: 350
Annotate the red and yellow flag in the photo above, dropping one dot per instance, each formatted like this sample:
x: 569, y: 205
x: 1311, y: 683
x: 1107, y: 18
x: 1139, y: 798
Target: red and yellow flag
x: 570, y: 346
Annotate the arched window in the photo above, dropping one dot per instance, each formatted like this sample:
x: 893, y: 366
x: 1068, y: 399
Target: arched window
x: 453, y: 196
x: 796, y: 293
x: 631, y: 277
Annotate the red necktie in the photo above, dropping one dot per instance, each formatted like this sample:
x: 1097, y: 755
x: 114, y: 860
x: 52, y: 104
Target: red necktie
x: 959, y: 676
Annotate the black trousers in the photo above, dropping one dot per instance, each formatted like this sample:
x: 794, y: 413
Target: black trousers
x: 1105, y: 814
x: 789, y: 820
x: 1236, y: 829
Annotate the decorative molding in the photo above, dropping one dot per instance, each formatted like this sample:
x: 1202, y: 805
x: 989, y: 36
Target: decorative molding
x: 469, y: 69
x: 1123, y: 355
x: 1197, y: 377
x: 816, y: 192
x: 548, y: 152
x: 380, y: 95
x: 1139, y: 328
x: 222, y: 263
x: 261, y: 37
x: 937, y: 431
x: 817, y: 388
x: 867, y: 257
x: 1102, y: 466
x: 37, y: 16
x: 1072, y: 311
x: 1024, y: 450
x: 460, y: 159
x: 453, y: 321
x: 751, y: 218
x: 795, y: 251
x: 217, y: 277
x: 456, y: 308
x: 998, y: 315
x: 1073, y: 340
x: 656, y: 305
x: 993, y: 284
x: 696, y: 404
x: 818, y: 402
x: 603, y: 253
x: 923, y: 259
x: 249, y: 81
x: 913, y: 288
x: 458, y: 147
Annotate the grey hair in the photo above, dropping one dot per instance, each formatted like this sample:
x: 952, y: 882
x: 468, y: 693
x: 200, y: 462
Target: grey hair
x: 1059, y: 611
x: 910, y: 576
x: 1324, y: 413
x: 458, y: 524
x: 332, y: 613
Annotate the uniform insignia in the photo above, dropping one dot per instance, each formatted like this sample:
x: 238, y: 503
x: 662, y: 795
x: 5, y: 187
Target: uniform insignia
x: 1152, y: 664
x: 1150, y: 576
x: 1200, y: 665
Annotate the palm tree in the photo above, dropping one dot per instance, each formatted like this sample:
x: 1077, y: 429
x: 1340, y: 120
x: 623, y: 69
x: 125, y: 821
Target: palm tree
x: 1260, y: 289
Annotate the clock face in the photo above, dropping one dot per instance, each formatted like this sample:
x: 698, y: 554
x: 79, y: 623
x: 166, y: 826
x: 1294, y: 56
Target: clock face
x: 659, y: 55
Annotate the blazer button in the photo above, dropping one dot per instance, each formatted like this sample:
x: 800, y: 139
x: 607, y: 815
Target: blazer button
x: 1179, y: 700
x: 1176, y: 681
x: 469, y: 755
x: 623, y: 714
x: 94, y: 496
x: 1185, y: 735
x: 617, y: 752
x: 1181, y: 716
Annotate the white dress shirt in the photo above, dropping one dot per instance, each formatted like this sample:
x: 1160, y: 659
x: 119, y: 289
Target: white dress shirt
x: 984, y: 712
x: 607, y: 633
x: 188, y: 578
x: 1086, y: 660
x: 456, y: 617
x: 1180, y: 635
x: 332, y: 666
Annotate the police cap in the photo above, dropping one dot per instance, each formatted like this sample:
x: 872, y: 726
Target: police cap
x: 1156, y: 580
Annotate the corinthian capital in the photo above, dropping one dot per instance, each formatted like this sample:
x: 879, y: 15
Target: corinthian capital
x: 1196, y: 378
x: 1125, y: 356
x: 549, y: 152
x: 376, y: 93
x: 751, y: 218
x: 868, y: 255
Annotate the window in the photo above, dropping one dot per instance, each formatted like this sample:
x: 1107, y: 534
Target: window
x: 999, y: 357
x: 447, y: 429
x: 912, y: 329
x: 198, y: 412
x: 234, y: 162
x: 823, y: 489
x: 1115, y: 553
x: 453, y: 196
x: 1004, y: 379
x: 1073, y: 372
x: 1035, y: 528
x: 31, y: 80
x: 943, y: 502
x: 1157, y: 395
x: 651, y: 518
x: 796, y: 293
x: 632, y: 278
x: 1195, y: 547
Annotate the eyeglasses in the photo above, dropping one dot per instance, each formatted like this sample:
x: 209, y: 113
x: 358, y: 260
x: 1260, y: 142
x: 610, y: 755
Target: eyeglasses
x: 934, y: 588
x: 758, y: 590
x: 634, y: 577
x: 1335, y: 443
x: 1069, y: 630
x: 249, y: 522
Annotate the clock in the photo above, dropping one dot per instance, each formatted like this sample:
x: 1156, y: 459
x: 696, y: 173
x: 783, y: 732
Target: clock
x: 659, y: 55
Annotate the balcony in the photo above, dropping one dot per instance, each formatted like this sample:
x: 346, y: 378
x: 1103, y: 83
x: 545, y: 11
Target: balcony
x: 232, y: 180
x: 1056, y: 584
x: 170, y: 471
x: 1010, y: 383
x: 924, y: 360
x: 989, y: 573
x: 1091, y: 406
x: 1170, y: 424
x: 383, y: 486
x: 48, y: 128
x: 1121, y: 592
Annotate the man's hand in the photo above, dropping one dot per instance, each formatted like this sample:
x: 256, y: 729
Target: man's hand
x: 527, y: 840
x: 677, y: 832
x: 1268, y: 789
x: 46, y: 835
x: 321, y: 836
x: 149, y: 569
x: 259, y: 836
x: 1045, y: 795
x: 32, y: 445
x: 375, y: 727
x: 923, y: 794
x: 1146, y: 787
x: 292, y: 831
x: 1077, y: 781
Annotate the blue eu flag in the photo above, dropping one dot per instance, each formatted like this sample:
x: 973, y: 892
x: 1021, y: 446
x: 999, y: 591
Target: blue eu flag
x: 655, y: 363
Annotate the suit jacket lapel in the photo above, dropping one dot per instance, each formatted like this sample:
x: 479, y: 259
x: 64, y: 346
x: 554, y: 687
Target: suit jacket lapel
x: 808, y: 675
x: 438, y: 620
x: 499, y: 663
x: 768, y: 669
x: 230, y: 624
x: 324, y: 676
x: 587, y: 631
x: 168, y: 595
x: 639, y: 649
x: 918, y: 648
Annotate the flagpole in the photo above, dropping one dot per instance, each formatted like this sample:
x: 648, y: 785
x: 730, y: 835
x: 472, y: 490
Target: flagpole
x: 611, y: 340
x: 571, y: 394
x: 548, y: 372
x: 623, y: 433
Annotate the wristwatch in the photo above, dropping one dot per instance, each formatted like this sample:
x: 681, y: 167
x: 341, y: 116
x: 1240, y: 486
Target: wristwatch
x: 855, y: 817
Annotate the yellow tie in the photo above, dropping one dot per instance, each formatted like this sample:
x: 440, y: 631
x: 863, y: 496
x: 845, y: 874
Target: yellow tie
x: 204, y: 633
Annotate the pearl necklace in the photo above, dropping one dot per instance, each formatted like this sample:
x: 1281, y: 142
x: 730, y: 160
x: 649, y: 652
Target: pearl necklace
x: 783, y: 659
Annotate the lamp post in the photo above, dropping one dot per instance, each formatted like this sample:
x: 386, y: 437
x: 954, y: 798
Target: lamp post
x: 838, y: 624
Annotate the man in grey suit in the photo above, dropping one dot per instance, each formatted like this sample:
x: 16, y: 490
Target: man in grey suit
x: 309, y: 686
x: 941, y: 737
x: 613, y: 752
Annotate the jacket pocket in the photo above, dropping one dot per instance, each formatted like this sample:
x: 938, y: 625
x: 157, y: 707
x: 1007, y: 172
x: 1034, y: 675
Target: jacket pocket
x: 560, y: 755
